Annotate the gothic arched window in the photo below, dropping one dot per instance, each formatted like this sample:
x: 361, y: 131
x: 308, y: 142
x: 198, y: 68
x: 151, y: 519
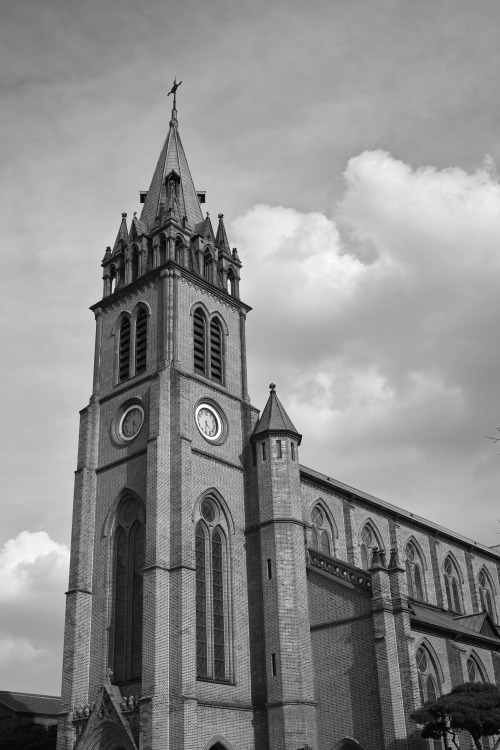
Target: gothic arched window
x: 321, y: 538
x: 135, y: 263
x: 200, y: 342
x: 212, y: 660
x: 179, y: 252
x: 368, y: 540
x: 207, y: 265
x: 414, y: 572
x: 128, y: 562
x: 427, y: 678
x: 163, y: 249
x: 231, y: 283
x: 452, y: 585
x: 486, y: 594
x: 475, y: 670
x: 216, y: 350
x: 124, y: 351
x: 112, y: 279
x: 208, y: 346
x: 141, y: 341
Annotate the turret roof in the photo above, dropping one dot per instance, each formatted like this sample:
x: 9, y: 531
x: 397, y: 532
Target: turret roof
x: 172, y: 159
x: 274, y: 417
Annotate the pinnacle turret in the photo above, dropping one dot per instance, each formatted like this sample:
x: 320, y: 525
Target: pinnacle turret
x: 274, y: 418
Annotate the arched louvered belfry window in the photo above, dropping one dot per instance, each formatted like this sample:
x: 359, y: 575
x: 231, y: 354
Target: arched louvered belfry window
x: 452, y: 585
x: 135, y: 263
x: 216, y: 350
x: 212, y: 660
x: 321, y: 536
x: 124, y: 351
x: 414, y: 572
x: 141, y: 341
x: 128, y: 563
x: 486, y: 595
x: 200, y: 342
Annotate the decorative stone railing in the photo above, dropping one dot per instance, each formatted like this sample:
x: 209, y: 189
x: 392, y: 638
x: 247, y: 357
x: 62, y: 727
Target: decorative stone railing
x: 357, y: 577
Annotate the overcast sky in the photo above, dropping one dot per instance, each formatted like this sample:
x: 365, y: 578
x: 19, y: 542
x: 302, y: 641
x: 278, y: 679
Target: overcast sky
x: 352, y: 147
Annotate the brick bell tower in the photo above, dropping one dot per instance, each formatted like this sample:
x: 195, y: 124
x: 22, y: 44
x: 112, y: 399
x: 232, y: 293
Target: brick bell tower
x: 157, y: 638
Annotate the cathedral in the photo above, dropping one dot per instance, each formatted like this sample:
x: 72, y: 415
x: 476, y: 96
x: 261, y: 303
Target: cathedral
x: 222, y: 596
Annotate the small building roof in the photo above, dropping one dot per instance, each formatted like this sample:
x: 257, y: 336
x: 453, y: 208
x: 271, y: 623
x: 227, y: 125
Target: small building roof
x: 274, y: 417
x: 30, y: 703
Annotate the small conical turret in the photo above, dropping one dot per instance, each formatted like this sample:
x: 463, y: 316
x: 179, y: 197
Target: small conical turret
x: 275, y: 419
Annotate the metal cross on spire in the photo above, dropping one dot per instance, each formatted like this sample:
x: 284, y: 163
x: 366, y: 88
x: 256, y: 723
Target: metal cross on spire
x: 173, y: 91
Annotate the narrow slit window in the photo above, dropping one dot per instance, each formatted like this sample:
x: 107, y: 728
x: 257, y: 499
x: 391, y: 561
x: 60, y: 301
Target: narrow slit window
x: 292, y: 451
x: 279, y: 452
x: 124, y: 363
x: 141, y: 341
x: 269, y: 569
x: 273, y: 664
x: 199, y: 336
x: 263, y: 451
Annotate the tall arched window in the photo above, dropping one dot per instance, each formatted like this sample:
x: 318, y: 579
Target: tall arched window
x: 414, y: 572
x: 216, y: 350
x: 231, y: 283
x: 212, y: 660
x: 452, y: 585
x: 179, y: 253
x: 141, y: 341
x: 486, y: 595
x: 200, y: 343
x: 163, y: 249
x: 208, y: 346
x: 321, y: 538
x: 368, y: 540
x: 128, y: 562
x: 124, y: 351
x: 135, y: 263
x: 112, y: 279
x: 427, y: 679
x: 207, y: 266
x: 475, y: 670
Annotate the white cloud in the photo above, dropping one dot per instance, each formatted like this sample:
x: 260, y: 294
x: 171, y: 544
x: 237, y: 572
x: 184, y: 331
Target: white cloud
x: 380, y: 327
x: 33, y: 578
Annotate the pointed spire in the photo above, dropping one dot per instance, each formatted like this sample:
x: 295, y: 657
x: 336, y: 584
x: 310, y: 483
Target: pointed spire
x: 221, y: 240
x: 274, y: 417
x: 122, y: 236
x: 172, y: 159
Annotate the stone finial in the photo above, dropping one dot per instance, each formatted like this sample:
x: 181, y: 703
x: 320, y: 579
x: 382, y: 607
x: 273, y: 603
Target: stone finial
x: 394, y: 559
x: 124, y: 215
x: 220, y: 216
x: 272, y: 387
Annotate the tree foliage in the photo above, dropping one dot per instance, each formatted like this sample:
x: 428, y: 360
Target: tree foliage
x: 473, y: 707
x: 27, y: 736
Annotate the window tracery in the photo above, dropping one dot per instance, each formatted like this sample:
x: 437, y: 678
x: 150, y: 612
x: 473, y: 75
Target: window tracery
x: 212, y: 595
x: 452, y: 585
x: 128, y: 563
x: 368, y: 540
x: 486, y: 594
x: 414, y: 572
x: 321, y: 537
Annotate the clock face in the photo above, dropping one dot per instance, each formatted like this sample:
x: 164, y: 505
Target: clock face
x: 131, y: 422
x: 208, y: 422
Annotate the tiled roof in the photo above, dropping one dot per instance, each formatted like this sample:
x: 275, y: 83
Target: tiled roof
x: 274, y: 417
x: 30, y: 703
x: 467, y: 627
x: 172, y: 158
